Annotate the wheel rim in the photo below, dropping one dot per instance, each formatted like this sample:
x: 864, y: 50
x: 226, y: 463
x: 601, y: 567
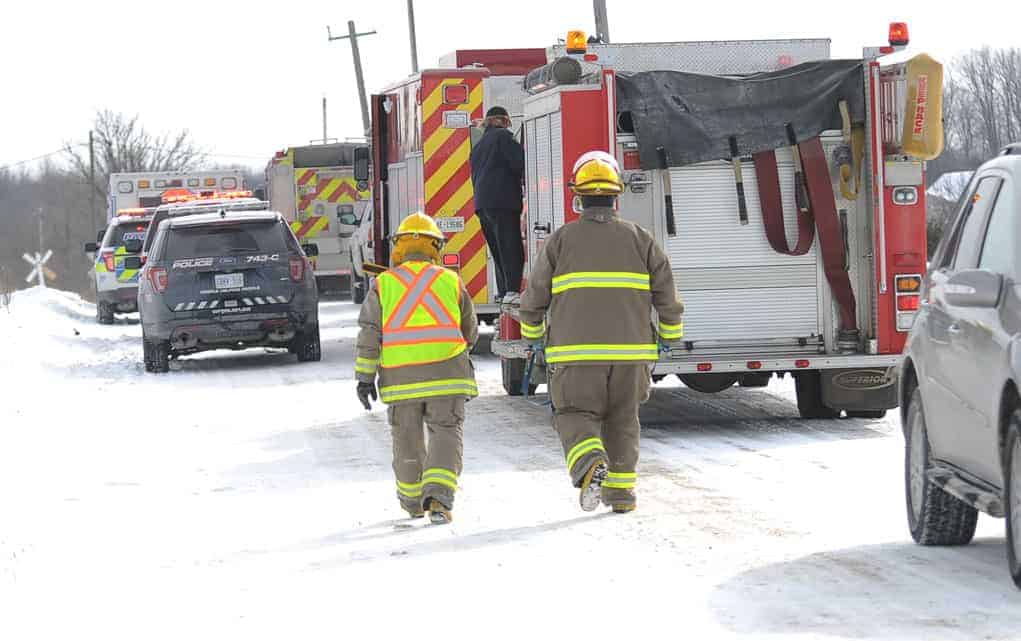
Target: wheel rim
x: 916, y: 462
x: 1015, y: 497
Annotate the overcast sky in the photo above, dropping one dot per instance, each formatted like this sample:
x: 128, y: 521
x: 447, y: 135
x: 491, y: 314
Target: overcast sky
x: 247, y: 78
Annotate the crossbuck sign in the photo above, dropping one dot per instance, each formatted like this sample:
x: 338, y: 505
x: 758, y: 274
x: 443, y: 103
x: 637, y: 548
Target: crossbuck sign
x: 38, y: 263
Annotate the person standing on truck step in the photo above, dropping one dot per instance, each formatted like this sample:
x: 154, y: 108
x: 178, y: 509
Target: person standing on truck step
x: 498, y: 163
x: 597, y: 282
x: 417, y: 327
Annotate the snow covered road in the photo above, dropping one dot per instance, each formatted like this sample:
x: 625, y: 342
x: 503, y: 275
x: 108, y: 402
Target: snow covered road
x: 244, y: 495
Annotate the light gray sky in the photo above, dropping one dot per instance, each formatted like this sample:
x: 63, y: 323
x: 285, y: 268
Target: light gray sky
x: 247, y: 78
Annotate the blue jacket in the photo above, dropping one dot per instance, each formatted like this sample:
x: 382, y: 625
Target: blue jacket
x: 498, y: 162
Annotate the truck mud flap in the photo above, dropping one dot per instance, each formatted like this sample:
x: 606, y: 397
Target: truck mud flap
x: 871, y: 388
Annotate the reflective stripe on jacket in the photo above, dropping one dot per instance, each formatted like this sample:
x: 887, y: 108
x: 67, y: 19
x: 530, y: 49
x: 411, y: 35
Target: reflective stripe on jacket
x: 593, y: 290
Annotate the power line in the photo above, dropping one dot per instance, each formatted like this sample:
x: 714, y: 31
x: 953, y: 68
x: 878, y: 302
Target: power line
x: 52, y: 153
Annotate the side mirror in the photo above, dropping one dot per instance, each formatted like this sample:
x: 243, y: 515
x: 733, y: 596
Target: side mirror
x: 99, y: 235
x: 132, y: 262
x: 973, y: 288
x: 311, y: 250
x: 260, y: 193
x: 91, y: 248
x: 133, y: 245
x: 361, y: 165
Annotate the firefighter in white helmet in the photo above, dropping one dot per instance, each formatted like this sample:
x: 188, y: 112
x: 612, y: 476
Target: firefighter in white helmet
x: 417, y: 327
x: 590, y: 296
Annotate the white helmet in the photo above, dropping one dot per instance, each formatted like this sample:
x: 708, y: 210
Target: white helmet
x: 596, y: 155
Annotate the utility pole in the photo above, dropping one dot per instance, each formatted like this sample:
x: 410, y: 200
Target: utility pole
x: 353, y: 35
x: 92, y: 185
x: 602, y: 21
x: 411, y: 33
x: 324, y: 121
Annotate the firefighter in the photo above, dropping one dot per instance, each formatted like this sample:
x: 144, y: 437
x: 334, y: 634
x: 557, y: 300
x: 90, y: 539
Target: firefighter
x: 417, y: 328
x: 597, y: 282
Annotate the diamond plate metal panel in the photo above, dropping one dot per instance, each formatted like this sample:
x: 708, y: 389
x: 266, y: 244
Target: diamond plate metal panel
x: 711, y: 57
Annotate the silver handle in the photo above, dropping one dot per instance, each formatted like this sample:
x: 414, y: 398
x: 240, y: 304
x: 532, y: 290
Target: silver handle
x: 954, y: 329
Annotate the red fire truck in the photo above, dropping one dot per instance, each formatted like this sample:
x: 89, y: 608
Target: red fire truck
x: 422, y: 131
x: 835, y: 310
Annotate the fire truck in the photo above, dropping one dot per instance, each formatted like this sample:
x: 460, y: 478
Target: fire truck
x: 423, y: 128
x: 315, y: 189
x: 129, y: 191
x: 796, y: 250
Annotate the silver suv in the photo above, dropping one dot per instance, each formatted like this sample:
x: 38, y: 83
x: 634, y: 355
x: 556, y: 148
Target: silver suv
x: 961, y: 407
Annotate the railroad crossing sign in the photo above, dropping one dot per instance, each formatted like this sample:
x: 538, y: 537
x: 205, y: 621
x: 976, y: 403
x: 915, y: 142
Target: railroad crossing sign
x: 39, y: 269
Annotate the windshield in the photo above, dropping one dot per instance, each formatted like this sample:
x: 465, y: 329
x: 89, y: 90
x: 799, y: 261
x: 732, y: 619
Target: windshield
x: 134, y: 230
x: 226, y: 239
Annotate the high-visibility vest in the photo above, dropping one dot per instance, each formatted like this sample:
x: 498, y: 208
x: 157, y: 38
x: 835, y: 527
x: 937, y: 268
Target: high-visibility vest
x: 421, y: 306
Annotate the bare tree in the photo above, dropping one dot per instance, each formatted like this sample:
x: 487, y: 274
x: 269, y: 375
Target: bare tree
x: 122, y: 144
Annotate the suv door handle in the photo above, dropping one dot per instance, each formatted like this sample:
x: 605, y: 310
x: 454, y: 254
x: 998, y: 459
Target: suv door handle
x: 954, y: 329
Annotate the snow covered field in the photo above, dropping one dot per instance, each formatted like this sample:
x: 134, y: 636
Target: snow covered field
x: 246, y: 496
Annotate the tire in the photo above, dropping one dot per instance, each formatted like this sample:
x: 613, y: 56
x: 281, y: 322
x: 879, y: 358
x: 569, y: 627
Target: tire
x: 873, y: 414
x: 307, y: 346
x: 359, y: 286
x: 808, y: 386
x: 757, y: 379
x: 512, y: 373
x: 935, y: 517
x: 709, y: 383
x: 1012, y: 498
x: 158, y: 359
x: 104, y: 315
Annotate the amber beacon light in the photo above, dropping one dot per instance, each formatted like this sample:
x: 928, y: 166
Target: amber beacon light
x: 577, y: 42
x: 899, y: 34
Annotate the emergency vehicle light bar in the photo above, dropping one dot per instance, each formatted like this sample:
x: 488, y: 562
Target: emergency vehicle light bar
x: 134, y: 211
x: 215, y: 195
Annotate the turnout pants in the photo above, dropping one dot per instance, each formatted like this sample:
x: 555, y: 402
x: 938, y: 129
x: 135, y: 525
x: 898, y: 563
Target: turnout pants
x: 596, y: 416
x: 502, y: 229
x: 427, y: 468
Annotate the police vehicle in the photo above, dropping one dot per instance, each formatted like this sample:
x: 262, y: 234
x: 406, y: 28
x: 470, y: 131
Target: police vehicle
x: 115, y: 283
x: 226, y: 280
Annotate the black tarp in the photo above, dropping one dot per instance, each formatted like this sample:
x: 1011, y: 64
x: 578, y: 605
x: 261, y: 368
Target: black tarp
x: 693, y: 116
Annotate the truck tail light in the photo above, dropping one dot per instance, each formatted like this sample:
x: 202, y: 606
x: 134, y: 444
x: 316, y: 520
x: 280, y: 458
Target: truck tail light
x: 704, y: 367
x: 908, y: 302
x: 297, y: 269
x: 159, y: 279
x: 754, y: 364
x: 802, y: 363
x: 109, y: 261
x: 452, y: 261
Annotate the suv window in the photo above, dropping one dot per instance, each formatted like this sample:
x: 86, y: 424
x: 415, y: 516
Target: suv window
x: 998, y: 248
x: 134, y: 230
x: 225, y: 239
x: 967, y: 241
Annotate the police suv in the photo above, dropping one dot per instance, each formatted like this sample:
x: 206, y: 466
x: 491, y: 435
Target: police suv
x: 226, y: 280
x: 116, y: 284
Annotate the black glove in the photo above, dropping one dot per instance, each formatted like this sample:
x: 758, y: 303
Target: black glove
x: 365, y: 390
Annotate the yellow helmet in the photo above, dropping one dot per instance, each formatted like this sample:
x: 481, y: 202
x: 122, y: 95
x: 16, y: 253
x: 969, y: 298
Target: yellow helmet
x: 418, y: 224
x: 596, y: 174
x: 417, y: 234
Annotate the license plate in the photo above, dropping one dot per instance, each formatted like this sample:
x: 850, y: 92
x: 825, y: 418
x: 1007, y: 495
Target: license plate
x: 229, y: 281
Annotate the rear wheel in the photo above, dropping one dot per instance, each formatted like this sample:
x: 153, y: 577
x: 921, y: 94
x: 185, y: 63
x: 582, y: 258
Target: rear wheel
x: 756, y: 379
x: 808, y: 386
x: 156, y: 355
x: 307, y: 346
x: 1012, y: 481
x: 512, y: 373
x: 935, y: 517
x: 104, y: 315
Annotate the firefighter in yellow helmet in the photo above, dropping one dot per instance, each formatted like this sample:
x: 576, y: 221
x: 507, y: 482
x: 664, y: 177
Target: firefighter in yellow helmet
x: 417, y: 327
x: 590, y: 298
